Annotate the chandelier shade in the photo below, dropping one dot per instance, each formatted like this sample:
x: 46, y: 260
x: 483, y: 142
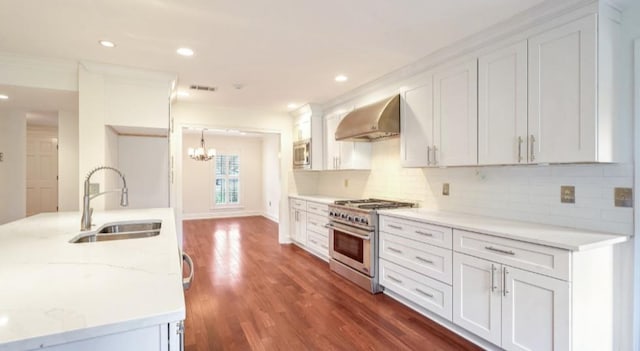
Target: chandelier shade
x: 201, y: 153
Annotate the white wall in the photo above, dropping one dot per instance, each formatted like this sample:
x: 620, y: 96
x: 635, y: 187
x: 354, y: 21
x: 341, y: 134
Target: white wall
x: 201, y: 115
x: 271, y: 176
x: 198, y: 177
x: 118, y: 96
x: 13, y: 168
x: 68, y: 161
x: 145, y: 163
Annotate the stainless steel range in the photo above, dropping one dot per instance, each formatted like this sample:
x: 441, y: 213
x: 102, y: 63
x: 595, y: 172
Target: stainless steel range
x: 353, y: 239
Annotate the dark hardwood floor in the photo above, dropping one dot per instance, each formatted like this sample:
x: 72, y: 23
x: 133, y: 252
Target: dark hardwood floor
x: 251, y: 293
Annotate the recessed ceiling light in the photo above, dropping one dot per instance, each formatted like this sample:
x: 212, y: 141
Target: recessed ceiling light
x: 183, y: 93
x: 341, y: 78
x: 185, y: 52
x: 107, y: 44
x: 4, y: 97
x: 292, y: 105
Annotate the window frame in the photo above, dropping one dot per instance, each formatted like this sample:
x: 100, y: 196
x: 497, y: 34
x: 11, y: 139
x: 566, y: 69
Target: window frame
x: 226, y: 176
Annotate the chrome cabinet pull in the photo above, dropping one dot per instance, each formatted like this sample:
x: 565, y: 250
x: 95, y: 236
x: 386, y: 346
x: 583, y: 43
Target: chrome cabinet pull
x: 493, y: 278
x: 186, y: 282
x: 533, y: 156
x: 504, y: 281
x: 423, y: 233
x: 394, y: 279
x: 435, y: 157
x: 520, y: 149
x: 424, y: 293
x: 424, y: 260
x: 506, y: 252
x: 394, y: 250
x: 394, y: 226
x: 428, y: 155
x: 313, y: 241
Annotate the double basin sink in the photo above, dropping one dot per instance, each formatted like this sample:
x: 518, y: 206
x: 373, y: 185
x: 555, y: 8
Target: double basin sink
x: 120, y: 231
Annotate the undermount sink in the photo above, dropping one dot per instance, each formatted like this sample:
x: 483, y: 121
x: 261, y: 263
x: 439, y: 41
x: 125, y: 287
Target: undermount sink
x: 120, y: 231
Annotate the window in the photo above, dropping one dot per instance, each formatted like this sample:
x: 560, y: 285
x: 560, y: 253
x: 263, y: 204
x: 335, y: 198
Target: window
x: 227, y: 190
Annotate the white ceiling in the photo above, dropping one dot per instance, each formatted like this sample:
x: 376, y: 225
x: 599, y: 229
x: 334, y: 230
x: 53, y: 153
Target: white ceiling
x: 281, y: 50
x: 41, y: 106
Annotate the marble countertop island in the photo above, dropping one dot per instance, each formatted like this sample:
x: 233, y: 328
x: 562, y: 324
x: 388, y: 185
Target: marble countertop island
x: 54, y: 292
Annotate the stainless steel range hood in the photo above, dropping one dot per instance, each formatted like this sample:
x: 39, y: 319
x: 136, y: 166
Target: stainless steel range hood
x: 373, y: 122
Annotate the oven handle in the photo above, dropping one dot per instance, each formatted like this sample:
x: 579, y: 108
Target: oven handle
x: 347, y: 231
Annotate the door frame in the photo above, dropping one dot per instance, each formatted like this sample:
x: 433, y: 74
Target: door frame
x: 636, y: 205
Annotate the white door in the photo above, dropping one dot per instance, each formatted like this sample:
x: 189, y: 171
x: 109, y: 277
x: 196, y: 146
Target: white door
x: 42, y: 172
x: 562, y: 93
x: 332, y: 150
x: 502, y: 106
x: 476, y: 296
x: 535, y: 312
x: 455, y: 109
x: 416, y: 112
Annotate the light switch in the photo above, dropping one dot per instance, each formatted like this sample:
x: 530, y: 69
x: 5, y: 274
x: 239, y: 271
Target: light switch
x: 445, y: 189
x: 623, y: 197
x: 568, y: 194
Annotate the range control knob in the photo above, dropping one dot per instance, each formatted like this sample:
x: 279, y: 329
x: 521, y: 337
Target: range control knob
x: 349, y: 218
x: 364, y: 221
x: 343, y: 216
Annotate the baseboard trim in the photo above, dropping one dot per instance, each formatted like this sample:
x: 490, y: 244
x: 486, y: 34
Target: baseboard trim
x: 272, y: 218
x: 224, y: 214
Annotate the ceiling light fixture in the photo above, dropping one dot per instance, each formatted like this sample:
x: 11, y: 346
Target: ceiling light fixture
x: 341, y: 78
x: 4, y: 97
x: 201, y: 153
x: 185, y: 52
x: 107, y: 43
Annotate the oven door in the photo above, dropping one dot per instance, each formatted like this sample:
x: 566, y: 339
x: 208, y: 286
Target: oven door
x: 302, y: 154
x: 351, y: 246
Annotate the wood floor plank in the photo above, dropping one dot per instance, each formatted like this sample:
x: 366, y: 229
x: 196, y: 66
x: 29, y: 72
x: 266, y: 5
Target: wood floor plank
x: 251, y: 293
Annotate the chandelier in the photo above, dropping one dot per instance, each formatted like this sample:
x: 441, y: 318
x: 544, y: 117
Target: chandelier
x: 201, y: 153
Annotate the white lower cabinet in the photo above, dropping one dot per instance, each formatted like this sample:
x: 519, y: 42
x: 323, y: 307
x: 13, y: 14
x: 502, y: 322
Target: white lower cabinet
x: 307, y: 229
x: 510, y: 307
x: 163, y: 337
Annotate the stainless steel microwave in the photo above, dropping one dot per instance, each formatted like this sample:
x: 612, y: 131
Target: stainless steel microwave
x: 302, y: 154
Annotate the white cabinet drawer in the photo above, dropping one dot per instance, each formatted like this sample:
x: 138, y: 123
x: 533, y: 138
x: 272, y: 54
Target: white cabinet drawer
x: 419, y: 289
x: 423, y: 232
x: 432, y: 261
x: 318, y: 244
x: 531, y: 257
x: 317, y: 224
x: 318, y: 208
x: 298, y: 204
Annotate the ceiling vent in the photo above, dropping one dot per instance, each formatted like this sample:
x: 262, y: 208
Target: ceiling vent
x: 203, y: 87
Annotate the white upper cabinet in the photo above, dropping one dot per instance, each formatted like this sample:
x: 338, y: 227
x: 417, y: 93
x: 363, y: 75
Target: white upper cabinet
x: 563, y: 118
x: 307, y: 126
x: 455, y: 109
x: 343, y: 155
x: 302, y: 128
x: 502, y: 106
x: 416, y: 111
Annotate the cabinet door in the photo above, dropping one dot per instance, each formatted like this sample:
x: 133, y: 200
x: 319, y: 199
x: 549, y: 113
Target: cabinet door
x: 502, y: 106
x: 455, y: 108
x: 535, y: 312
x: 416, y: 117
x: 293, y: 224
x: 301, y: 232
x: 562, y: 93
x: 332, y: 150
x: 476, y: 299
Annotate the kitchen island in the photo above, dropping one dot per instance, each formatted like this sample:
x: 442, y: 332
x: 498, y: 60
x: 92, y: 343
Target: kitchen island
x: 59, y: 295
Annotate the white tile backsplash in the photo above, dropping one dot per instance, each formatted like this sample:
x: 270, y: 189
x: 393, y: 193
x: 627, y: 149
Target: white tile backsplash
x: 527, y: 193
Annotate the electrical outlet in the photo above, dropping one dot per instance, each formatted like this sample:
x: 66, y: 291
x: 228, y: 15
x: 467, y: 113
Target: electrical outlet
x: 94, y: 188
x: 445, y: 189
x: 623, y: 197
x: 346, y: 183
x: 568, y: 194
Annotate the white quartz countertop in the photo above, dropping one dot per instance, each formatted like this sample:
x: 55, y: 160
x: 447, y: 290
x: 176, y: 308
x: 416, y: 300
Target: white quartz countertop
x: 316, y: 198
x: 53, y: 291
x: 554, y: 236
